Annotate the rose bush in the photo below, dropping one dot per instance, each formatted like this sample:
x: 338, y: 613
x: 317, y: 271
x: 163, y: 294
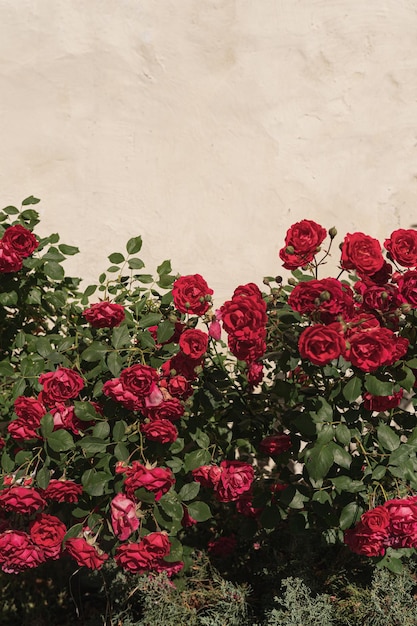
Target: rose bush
x: 139, y: 423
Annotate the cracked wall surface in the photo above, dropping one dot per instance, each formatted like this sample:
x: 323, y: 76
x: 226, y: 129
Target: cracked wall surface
x: 208, y: 127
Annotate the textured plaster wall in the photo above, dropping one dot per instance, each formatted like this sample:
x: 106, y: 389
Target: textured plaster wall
x: 208, y: 126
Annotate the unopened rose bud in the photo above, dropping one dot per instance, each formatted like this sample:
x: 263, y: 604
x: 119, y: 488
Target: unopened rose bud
x: 289, y: 250
x: 384, y: 295
x: 325, y: 296
x: 332, y: 232
x: 266, y: 280
x: 406, y: 308
x: 292, y: 281
x: 278, y: 279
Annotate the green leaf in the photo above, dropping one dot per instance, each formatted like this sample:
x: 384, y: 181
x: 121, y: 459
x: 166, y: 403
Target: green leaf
x: 343, y: 435
x: 145, y: 278
x: 379, y: 472
x: 47, y: 425
x: 350, y: 515
x: 43, y: 347
x: 120, y: 336
x: 135, y: 264
x: 6, y: 369
x: 30, y: 200
x: 94, y: 482
x: 43, y: 476
x: 7, y: 463
x: 68, y: 250
x: 319, y: 460
x: 8, y: 298
x: 92, y: 445
x: 151, y: 319
x: 60, y: 441
x: 195, y: 459
x: 200, y: 511
x: 12, y: 210
x: 189, y: 491
x: 164, y: 268
x: 85, y: 411
x: 119, y: 430
x: 114, y: 363
x: 388, y: 439
x: 325, y: 412
x: 165, y: 331
x: 90, y: 290
x: 116, y: 257
x: 341, y: 456
x: 378, y: 387
x: 352, y: 390
x: 176, y: 552
x: 171, y: 506
x: 101, y: 430
x: 54, y: 270
x: 134, y: 245
x: 95, y: 352
x: 121, y: 452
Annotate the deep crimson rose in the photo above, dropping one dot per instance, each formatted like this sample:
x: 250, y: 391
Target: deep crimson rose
x: 29, y: 409
x: 374, y: 348
x: 180, y: 364
x: 362, y: 253
x: 142, y: 556
x: 84, y: 553
x: 321, y: 344
x: 192, y: 294
x: 250, y: 289
x: 63, y: 491
x: 59, y: 386
x: 247, y: 345
x: 376, y: 520
x: 245, y: 507
x: 18, y: 552
x: 180, y: 387
x: 21, y: 429
x: 9, y: 260
x: 162, y: 431
x: 223, y: 546
x: 362, y: 541
x: 24, y: 500
x: 170, y: 409
x: 402, y: 247
x: 302, y: 242
x: 323, y: 300
x: 244, y: 312
x: 47, y: 532
x: 275, y: 444
x: 407, y: 286
x: 403, y: 522
x: 20, y: 240
x: 235, y: 479
x: 169, y: 568
x: 207, y: 475
x: 115, y: 390
x: 104, y: 314
x: 381, y: 403
x: 255, y: 374
x: 381, y: 299
x: 193, y: 343
x: 158, y: 480
x: 139, y: 379
x: 124, y: 520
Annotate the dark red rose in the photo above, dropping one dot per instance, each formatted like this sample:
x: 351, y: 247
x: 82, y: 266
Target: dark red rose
x: 9, y: 260
x: 250, y: 289
x: 370, y: 349
x: 323, y: 300
x: 402, y: 247
x: 223, y: 546
x: 158, y: 480
x: 63, y: 491
x: 407, y: 286
x: 403, y: 522
x: 245, y: 507
x: 20, y: 240
x: 25, y: 500
x: 59, y: 386
x: 381, y: 299
x: 180, y: 387
x: 182, y: 365
x: 162, y: 431
x: 255, y: 374
x: 193, y: 343
x: 321, y: 344
x: 48, y: 532
x: 302, y: 242
x: 362, y: 253
x: 170, y: 409
x: 29, y: 409
x: 84, y: 553
x: 275, y: 444
x: 104, y: 315
x: 139, y: 379
x: 207, y: 475
x: 64, y: 417
x: 247, y: 345
x: 362, y: 541
x: 18, y: 552
x: 21, y: 429
x: 142, y: 556
x: 187, y: 520
x: 376, y: 520
x: 192, y: 294
x: 381, y: 403
x: 244, y: 312
x: 235, y: 479
x: 115, y: 390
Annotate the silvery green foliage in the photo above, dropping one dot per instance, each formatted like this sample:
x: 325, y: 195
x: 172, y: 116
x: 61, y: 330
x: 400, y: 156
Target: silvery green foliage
x: 297, y: 607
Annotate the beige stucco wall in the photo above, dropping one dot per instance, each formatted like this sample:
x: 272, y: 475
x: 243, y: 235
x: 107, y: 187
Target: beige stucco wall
x: 208, y: 126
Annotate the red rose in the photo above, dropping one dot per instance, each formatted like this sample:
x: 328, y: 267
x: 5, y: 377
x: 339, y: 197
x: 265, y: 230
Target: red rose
x: 362, y: 541
x: 375, y: 347
x: 162, y: 431
x: 321, y: 344
x: 139, y: 379
x: 59, y: 386
x: 18, y: 552
x: 181, y: 364
x: 381, y: 403
x: 247, y: 346
x: 29, y: 409
x: 104, y: 315
x: 170, y: 409
x: 245, y: 507
x: 402, y: 247
x: 115, y: 390
x: 64, y: 417
x: 20, y: 240
x: 381, y: 299
x: 302, y: 242
x: 243, y: 312
x: 376, y: 520
x: 158, y: 480
x: 275, y: 444
x: 255, y: 374
x: 323, y: 300
x: 142, y: 556
x: 180, y: 386
x: 223, y: 546
x: 193, y: 343
x: 361, y: 253
x: 236, y: 478
x: 84, y: 553
x: 407, y: 286
x: 169, y: 568
x: 403, y: 522
x: 47, y: 532
x: 250, y: 289
x: 21, y: 429
x: 63, y: 491
x: 192, y: 294
x: 207, y: 475
x: 124, y: 520
x: 25, y: 500
x: 9, y: 260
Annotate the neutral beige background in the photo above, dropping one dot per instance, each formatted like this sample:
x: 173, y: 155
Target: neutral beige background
x: 208, y: 126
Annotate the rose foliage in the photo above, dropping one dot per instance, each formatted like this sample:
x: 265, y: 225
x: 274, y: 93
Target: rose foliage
x: 138, y: 422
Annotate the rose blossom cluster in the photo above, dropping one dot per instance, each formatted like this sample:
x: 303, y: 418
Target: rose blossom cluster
x: 16, y: 244
x: 361, y: 325
x: 229, y: 481
x: 391, y: 525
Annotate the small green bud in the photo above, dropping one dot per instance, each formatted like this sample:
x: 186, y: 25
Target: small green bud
x: 332, y: 232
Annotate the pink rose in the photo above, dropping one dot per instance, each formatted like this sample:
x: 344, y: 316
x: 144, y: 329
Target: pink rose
x: 115, y: 390
x: 207, y: 475
x: 403, y: 522
x: 124, y: 520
